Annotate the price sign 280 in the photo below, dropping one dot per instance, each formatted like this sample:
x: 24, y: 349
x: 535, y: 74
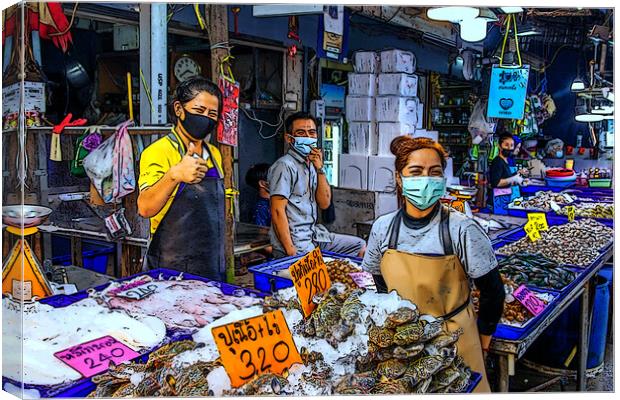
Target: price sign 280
x: 310, y: 277
x: 256, y: 346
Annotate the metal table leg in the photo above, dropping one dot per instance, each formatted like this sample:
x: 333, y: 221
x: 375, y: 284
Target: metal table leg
x: 583, y: 339
x: 503, y: 373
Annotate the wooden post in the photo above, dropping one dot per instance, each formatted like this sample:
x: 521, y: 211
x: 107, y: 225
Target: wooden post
x: 218, y: 32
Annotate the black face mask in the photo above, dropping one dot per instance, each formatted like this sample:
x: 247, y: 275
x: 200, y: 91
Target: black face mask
x: 198, y: 126
x: 507, y: 153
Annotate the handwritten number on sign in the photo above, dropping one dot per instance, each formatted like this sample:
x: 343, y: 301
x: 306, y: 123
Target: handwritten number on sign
x: 315, y: 283
x: 281, y: 343
x: 249, y: 364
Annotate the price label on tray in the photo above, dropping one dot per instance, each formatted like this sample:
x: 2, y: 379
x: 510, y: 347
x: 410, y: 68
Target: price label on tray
x: 570, y: 211
x: 135, y: 290
x: 94, y: 357
x: 540, y: 220
x: 532, y: 231
x: 529, y: 300
x: 255, y: 346
x: 362, y: 279
x: 310, y: 277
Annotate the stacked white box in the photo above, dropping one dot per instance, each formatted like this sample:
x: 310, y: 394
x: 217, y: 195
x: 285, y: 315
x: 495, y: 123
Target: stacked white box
x: 362, y: 84
x: 405, y: 85
x: 366, y: 62
x: 397, y: 109
x: 387, y: 131
x: 360, y: 109
x: 381, y: 174
x: 354, y: 171
x: 398, y: 61
x: 361, y: 138
x: 423, y: 133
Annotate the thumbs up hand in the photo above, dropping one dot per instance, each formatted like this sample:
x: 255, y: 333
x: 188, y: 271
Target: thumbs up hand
x: 191, y: 169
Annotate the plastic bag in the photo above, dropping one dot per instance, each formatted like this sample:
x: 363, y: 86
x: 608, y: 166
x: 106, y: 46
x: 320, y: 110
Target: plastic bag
x: 87, y: 142
x: 479, y: 127
x: 110, y: 166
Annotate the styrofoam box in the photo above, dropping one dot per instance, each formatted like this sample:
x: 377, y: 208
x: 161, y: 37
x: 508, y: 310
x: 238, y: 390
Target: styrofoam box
x: 361, y: 136
x: 360, y: 109
x: 398, y: 61
x: 366, y: 62
x: 387, y: 131
x: 385, y: 204
x: 397, y: 109
x: 420, y: 133
x: 381, y: 174
x: 398, y: 84
x: 449, y: 171
x: 354, y: 171
x: 362, y: 84
x: 420, y: 116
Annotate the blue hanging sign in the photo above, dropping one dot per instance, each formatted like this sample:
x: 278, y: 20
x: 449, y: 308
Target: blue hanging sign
x: 507, y: 92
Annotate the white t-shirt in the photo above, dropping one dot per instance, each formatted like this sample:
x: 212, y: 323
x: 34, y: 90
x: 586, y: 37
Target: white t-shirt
x: 470, y: 244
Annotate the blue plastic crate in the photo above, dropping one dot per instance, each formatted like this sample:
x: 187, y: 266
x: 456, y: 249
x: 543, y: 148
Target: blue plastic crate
x: 266, y: 280
x: 507, y: 332
x: 92, y: 260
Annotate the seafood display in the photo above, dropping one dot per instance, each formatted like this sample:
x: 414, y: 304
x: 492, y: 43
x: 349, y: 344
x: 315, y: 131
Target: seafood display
x: 575, y: 243
x: 536, y: 271
x: 355, y: 342
x: 48, y: 330
x: 592, y: 210
x: 542, y: 201
x: 339, y: 271
x: 515, y: 314
x: 180, y: 304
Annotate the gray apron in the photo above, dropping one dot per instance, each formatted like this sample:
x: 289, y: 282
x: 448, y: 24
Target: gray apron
x: 190, y: 237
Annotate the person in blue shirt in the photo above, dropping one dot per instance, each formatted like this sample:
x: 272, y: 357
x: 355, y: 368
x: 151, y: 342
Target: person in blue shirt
x: 257, y: 178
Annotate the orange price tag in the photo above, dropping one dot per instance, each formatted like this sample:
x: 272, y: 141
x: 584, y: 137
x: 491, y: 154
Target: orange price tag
x: 310, y: 277
x: 255, y: 346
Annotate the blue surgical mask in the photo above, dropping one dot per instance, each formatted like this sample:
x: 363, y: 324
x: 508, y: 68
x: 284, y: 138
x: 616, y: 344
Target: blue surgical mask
x: 304, y: 145
x: 423, y: 191
x: 559, y: 154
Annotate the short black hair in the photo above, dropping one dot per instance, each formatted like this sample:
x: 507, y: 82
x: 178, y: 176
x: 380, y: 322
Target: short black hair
x: 503, y: 137
x: 257, y: 173
x: 187, y: 91
x: 288, y: 124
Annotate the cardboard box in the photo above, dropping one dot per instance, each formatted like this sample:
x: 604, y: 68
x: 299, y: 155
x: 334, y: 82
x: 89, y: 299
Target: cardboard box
x: 387, y: 131
x: 397, y: 109
x: 398, y: 61
x: 362, y: 84
x: 398, y: 85
x: 355, y: 208
x: 361, y: 136
x: 360, y: 109
x: 366, y: 62
x: 354, y: 171
x: 381, y: 174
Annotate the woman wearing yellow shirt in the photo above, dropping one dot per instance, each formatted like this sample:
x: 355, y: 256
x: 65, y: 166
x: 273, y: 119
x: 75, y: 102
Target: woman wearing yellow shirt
x: 181, y: 187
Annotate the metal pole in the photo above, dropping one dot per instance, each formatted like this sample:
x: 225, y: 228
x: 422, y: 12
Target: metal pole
x: 159, y: 62
x: 145, y: 62
x: 583, y: 340
x: 503, y: 377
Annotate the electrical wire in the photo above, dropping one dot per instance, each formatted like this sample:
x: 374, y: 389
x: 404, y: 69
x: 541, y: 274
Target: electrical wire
x: 261, y: 123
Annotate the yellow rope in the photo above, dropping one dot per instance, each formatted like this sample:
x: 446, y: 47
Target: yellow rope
x: 231, y: 194
x: 509, y: 19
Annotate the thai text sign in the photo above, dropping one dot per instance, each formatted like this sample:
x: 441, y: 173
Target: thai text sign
x: 507, y: 92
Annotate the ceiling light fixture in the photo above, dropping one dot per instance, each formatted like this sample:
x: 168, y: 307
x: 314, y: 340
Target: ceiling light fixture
x: 452, y: 14
x: 473, y: 30
x: 487, y: 14
x: 511, y: 10
x: 577, y: 85
x: 603, y: 110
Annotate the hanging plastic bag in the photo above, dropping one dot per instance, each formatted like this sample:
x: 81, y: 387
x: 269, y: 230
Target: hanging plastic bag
x: 479, y: 127
x: 87, y: 142
x: 110, y: 166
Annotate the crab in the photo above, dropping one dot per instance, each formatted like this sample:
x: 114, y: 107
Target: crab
x: 392, y: 368
x: 460, y: 384
x: 326, y: 314
x: 310, y: 357
x: 448, y: 354
x: 443, y: 379
x: 262, y: 385
x: 432, y: 327
x: 360, y: 383
x: 401, y: 316
x: 408, y: 334
x: 106, y: 385
x: 126, y: 390
x: 390, y: 386
x: 423, y: 368
x: 169, y: 351
x: 350, y: 311
x: 445, y: 339
x: 404, y: 352
x: 190, y: 381
x: 423, y: 386
x: 382, y: 337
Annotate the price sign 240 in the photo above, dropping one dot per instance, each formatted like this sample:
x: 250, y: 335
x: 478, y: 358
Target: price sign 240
x: 310, y: 277
x: 255, y: 346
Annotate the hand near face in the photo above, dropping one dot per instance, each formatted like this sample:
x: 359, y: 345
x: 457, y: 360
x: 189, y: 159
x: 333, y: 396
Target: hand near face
x: 316, y: 157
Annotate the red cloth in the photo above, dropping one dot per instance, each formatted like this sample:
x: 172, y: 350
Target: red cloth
x: 47, y: 18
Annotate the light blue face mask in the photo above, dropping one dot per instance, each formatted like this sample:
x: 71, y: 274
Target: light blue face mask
x: 304, y: 145
x: 423, y: 191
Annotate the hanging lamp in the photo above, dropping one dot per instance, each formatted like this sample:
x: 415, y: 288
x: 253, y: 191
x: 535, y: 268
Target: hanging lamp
x: 452, y: 14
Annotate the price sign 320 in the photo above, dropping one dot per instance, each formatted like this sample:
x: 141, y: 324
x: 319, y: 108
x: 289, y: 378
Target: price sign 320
x: 310, y: 277
x: 256, y: 346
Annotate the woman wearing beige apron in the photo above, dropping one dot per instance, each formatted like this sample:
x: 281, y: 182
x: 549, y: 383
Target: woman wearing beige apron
x: 429, y: 254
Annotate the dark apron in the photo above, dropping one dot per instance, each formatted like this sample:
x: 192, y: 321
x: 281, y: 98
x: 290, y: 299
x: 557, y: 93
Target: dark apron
x: 190, y: 237
x: 502, y: 197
